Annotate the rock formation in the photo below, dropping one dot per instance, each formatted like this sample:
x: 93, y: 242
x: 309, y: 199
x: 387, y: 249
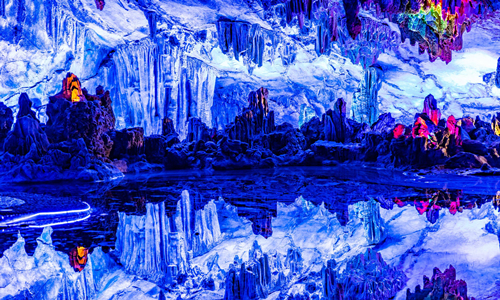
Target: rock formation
x: 90, y: 119
x: 6, y: 121
x: 366, y: 277
x: 27, y: 136
x: 442, y: 286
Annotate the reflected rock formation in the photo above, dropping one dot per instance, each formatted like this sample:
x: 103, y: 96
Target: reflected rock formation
x: 250, y: 280
x: 158, y: 247
x: 45, y: 275
x: 442, y: 285
x: 369, y: 213
x: 262, y: 224
x: 78, y: 258
x: 367, y: 276
x: 435, y: 200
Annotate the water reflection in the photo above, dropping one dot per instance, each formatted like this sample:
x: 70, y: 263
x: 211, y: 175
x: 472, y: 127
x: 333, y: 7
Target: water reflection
x: 200, y: 225
x: 78, y: 258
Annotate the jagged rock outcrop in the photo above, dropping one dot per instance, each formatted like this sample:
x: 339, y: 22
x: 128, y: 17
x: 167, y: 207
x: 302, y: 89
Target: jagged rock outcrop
x: 335, y: 124
x: 199, y: 131
x: 155, y: 146
x: 72, y: 146
x: 6, y: 121
x: 249, y: 280
x: 73, y: 115
x: 255, y: 119
x: 442, y: 286
x: 366, y: 277
x: 284, y: 140
x: 127, y: 142
x: 384, y: 124
x: 167, y: 127
x: 27, y: 136
x: 312, y: 131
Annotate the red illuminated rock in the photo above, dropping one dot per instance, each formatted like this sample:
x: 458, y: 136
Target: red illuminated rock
x: 431, y: 109
x: 398, y: 131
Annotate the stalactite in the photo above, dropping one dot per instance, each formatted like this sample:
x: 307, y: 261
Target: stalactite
x: 365, y: 102
x: 2, y: 8
x: 239, y: 38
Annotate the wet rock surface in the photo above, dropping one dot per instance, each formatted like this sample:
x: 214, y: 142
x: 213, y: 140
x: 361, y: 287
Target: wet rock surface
x: 253, y: 140
x: 73, y: 145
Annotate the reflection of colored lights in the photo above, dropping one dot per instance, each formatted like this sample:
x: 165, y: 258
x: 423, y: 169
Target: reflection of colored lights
x: 78, y: 258
x: 435, y: 201
x: 56, y: 213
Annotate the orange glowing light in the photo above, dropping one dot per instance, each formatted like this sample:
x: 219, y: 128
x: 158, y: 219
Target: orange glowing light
x: 72, y: 89
x: 78, y: 258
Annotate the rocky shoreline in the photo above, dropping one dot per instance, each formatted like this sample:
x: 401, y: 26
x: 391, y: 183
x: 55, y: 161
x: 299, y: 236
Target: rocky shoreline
x: 80, y: 142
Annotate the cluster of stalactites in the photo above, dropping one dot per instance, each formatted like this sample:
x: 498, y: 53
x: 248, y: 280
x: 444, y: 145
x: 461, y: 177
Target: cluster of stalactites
x: 72, y: 89
x: 438, y: 26
x: 242, y: 39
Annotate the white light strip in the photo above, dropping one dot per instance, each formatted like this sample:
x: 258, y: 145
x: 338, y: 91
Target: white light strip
x: 59, y: 223
x: 46, y: 214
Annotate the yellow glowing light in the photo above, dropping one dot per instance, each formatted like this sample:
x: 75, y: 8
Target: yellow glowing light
x: 74, y: 96
x: 82, y: 251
